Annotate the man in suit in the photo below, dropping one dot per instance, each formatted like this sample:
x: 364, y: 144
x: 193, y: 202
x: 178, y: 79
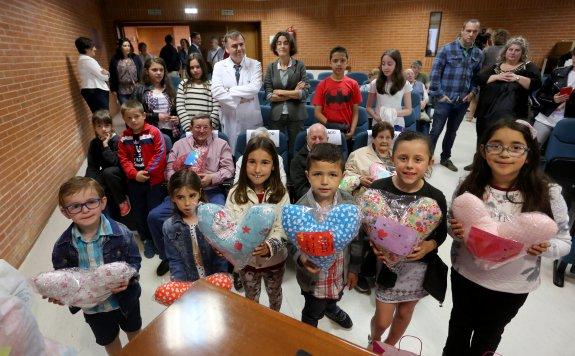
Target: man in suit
x: 236, y: 82
x: 196, y: 43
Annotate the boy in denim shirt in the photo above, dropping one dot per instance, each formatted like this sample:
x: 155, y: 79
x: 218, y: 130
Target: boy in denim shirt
x: 91, y: 241
x: 322, y: 290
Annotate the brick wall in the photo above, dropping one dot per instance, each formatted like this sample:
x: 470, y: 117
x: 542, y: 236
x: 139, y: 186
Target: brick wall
x: 368, y: 27
x: 44, y: 122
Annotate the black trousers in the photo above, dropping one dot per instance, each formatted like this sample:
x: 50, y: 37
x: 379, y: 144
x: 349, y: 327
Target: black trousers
x: 478, y: 317
x: 314, y: 308
x: 97, y: 99
x: 289, y: 126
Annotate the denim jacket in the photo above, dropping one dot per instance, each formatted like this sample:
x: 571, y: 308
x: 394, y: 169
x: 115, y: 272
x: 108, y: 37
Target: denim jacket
x: 118, y: 247
x: 179, y: 251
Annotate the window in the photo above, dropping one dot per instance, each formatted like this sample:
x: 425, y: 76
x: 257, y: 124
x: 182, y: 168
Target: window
x: 433, y: 34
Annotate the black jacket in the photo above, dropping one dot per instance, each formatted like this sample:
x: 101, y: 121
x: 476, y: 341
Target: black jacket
x: 100, y: 158
x: 297, y: 173
x: 170, y: 55
x: 556, y: 80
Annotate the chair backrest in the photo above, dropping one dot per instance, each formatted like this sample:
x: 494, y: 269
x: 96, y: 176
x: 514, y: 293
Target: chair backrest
x: 310, y: 116
x: 362, y: 122
x: 361, y: 140
x: 281, y: 145
x: 262, y: 98
x: 359, y: 77
x: 415, y: 112
x: 364, y: 95
x: 223, y: 136
x: 266, y: 114
x: 323, y: 75
x: 312, y: 85
x: 562, y: 140
x: 309, y: 75
x: 300, y: 141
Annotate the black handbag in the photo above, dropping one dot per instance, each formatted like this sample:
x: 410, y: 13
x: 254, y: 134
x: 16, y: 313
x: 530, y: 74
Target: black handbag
x: 435, y: 279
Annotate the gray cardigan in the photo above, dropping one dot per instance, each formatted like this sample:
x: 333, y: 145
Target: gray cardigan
x: 272, y: 80
x: 352, y: 254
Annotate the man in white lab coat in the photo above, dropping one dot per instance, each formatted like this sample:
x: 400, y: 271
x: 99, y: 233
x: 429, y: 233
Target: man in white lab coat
x: 236, y: 82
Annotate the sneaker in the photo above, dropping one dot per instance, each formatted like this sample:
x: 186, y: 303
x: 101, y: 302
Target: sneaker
x: 449, y: 165
x: 149, y: 249
x: 163, y: 268
x: 125, y: 207
x: 363, y: 285
x: 341, y: 318
x: 468, y: 168
x: 237, y: 282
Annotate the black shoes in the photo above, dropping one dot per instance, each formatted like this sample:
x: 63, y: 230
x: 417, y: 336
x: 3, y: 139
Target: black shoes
x: 237, y: 282
x: 559, y: 273
x: 449, y: 165
x: 341, y: 318
x: 468, y: 168
x: 363, y: 285
x: 163, y: 268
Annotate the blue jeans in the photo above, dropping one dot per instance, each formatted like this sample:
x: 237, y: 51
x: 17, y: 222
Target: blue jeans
x: 452, y: 114
x: 143, y: 198
x: 570, y: 258
x: 163, y: 211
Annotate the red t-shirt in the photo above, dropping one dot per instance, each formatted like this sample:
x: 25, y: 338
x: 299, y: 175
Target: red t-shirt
x: 337, y: 99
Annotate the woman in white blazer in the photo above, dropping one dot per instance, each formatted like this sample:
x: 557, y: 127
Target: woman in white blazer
x: 94, y: 88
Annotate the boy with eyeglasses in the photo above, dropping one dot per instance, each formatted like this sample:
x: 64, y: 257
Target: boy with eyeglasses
x: 91, y: 240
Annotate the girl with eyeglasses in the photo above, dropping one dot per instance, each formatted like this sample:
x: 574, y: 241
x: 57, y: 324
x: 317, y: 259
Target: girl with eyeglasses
x: 506, y: 176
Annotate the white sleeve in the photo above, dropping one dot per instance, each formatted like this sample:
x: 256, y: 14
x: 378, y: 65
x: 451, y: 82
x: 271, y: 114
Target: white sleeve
x: 283, y: 176
x: 94, y: 68
x: 219, y: 91
x: 238, y: 166
x: 425, y: 95
x: 561, y: 243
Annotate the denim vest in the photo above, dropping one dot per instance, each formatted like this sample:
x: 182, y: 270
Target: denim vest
x: 180, y: 254
x: 120, y: 246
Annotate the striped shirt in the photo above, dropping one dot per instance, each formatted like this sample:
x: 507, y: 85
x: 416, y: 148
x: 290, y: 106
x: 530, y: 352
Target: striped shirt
x: 90, y: 256
x: 196, y: 99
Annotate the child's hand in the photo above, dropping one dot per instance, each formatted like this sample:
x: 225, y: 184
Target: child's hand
x: 52, y: 300
x: 420, y: 251
x: 262, y: 250
x: 456, y: 228
x: 120, y: 288
x: 142, y: 176
x: 537, y: 249
x: 106, y: 139
x: 351, y: 280
x: 309, y: 266
x: 164, y: 117
x: 558, y: 98
x: 366, y: 181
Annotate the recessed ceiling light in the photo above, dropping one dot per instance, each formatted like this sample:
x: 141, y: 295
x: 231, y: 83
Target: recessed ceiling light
x: 191, y: 10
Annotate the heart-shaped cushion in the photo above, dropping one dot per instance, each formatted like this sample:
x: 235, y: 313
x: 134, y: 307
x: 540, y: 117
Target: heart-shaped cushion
x: 168, y: 293
x: 349, y: 183
x: 235, y: 240
x: 378, y: 171
x: 320, y: 241
x: 495, y: 243
x: 397, y: 224
x: 195, y: 160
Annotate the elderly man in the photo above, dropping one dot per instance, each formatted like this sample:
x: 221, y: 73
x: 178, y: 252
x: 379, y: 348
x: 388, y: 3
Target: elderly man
x: 452, y: 88
x: 316, y: 133
x: 236, y: 82
x: 216, y: 53
x: 214, y: 164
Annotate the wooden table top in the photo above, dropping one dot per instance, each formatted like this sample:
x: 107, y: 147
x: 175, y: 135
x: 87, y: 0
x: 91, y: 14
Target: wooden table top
x: 209, y: 320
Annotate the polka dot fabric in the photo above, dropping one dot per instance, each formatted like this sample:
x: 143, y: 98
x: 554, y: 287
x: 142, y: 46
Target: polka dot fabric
x: 168, y: 293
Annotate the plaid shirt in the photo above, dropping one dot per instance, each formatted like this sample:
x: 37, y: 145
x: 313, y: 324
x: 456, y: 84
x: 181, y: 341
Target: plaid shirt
x: 90, y: 255
x: 329, y: 284
x: 453, y: 71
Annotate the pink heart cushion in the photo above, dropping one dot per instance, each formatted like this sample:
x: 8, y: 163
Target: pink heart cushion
x: 494, y: 242
x: 397, y: 224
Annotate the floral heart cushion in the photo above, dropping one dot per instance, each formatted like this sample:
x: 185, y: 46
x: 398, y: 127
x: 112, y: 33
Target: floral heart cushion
x: 236, y: 240
x: 320, y: 241
x: 495, y: 243
x: 378, y: 171
x: 397, y: 224
x: 168, y: 293
x: 349, y: 183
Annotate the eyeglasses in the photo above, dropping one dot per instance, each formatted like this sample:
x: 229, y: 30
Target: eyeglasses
x: 76, y: 208
x: 513, y: 150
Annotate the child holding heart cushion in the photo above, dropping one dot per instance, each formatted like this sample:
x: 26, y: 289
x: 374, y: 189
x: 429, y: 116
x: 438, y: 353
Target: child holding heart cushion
x: 260, y: 182
x: 322, y: 290
x: 507, y: 178
x: 189, y: 255
x: 400, y: 287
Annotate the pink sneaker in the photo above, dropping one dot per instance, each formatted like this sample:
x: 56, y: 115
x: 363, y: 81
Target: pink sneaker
x: 125, y: 207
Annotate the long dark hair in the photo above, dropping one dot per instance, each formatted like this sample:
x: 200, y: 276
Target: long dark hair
x: 531, y: 182
x: 185, y: 178
x: 202, y: 62
x: 274, y: 183
x: 166, y: 82
x: 397, y: 79
x: 118, y: 54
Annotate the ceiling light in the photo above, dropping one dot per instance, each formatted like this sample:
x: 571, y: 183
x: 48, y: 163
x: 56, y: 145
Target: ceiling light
x: 191, y: 10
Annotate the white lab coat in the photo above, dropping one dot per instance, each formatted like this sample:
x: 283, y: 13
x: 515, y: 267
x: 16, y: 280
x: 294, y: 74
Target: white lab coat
x: 236, y: 118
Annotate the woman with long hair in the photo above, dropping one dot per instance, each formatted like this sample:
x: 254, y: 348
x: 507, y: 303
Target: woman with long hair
x: 125, y: 70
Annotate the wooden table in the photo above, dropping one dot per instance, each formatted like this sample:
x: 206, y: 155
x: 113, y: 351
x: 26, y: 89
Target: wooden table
x: 208, y: 320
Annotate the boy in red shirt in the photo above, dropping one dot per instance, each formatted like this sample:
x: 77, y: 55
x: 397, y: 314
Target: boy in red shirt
x: 142, y: 154
x: 337, y: 97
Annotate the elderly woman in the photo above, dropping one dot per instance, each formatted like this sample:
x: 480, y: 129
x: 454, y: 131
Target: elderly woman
x: 361, y: 160
x: 213, y: 163
x: 125, y: 70
x: 287, y: 88
x: 418, y: 87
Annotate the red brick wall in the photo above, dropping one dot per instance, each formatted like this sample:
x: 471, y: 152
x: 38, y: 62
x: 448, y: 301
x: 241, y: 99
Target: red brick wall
x: 44, y: 123
x: 368, y: 27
